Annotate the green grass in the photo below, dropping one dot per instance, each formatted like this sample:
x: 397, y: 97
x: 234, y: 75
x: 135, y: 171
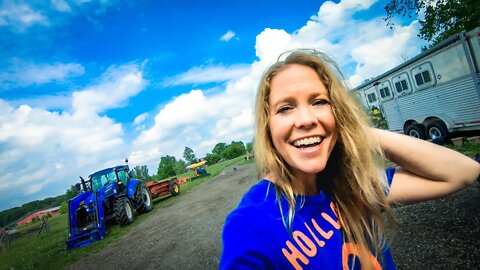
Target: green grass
x: 48, y: 250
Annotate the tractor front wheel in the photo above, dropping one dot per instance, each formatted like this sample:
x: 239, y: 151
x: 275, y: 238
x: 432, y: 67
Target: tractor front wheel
x: 123, y: 210
x: 143, y: 199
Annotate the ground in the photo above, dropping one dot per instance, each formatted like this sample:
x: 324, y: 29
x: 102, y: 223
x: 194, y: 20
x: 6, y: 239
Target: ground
x: 186, y: 234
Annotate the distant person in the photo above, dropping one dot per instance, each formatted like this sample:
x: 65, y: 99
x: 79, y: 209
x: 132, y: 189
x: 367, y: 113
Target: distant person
x: 325, y: 191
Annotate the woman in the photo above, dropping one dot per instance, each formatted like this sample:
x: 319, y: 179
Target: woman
x: 324, y: 195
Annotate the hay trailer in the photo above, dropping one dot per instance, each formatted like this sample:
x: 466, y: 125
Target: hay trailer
x: 165, y: 187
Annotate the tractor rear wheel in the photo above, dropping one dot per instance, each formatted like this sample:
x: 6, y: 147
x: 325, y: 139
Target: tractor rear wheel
x: 123, y: 210
x: 174, y: 188
x: 143, y: 199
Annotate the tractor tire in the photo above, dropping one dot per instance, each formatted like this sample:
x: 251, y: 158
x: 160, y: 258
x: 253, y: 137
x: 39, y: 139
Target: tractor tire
x: 416, y: 131
x: 123, y: 210
x: 143, y: 199
x: 174, y: 188
x: 437, y: 130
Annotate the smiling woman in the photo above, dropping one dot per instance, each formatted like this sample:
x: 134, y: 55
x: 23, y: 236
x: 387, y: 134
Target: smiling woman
x: 323, y: 198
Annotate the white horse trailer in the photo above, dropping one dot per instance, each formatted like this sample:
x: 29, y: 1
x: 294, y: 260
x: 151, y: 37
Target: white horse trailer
x: 432, y: 94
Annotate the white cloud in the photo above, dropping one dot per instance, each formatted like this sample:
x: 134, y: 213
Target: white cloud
x: 227, y: 36
x: 117, y: 85
x: 207, y: 74
x: 140, y: 118
x: 61, y: 5
x: 45, y: 152
x: 20, y: 15
x: 22, y: 73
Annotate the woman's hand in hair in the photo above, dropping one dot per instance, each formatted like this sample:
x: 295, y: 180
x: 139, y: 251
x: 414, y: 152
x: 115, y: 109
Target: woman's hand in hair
x: 426, y: 170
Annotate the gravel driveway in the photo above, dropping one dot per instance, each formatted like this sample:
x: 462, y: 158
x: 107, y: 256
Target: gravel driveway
x: 444, y: 234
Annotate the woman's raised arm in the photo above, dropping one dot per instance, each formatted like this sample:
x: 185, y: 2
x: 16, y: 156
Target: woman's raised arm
x: 426, y: 170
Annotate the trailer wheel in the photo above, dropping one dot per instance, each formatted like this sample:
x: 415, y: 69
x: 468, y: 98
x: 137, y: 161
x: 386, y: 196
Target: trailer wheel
x: 174, y: 188
x: 123, y: 210
x: 143, y: 199
x: 437, y: 130
x: 417, y: 131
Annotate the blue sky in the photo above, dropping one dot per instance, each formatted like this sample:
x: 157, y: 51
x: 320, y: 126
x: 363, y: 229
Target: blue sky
x: 84, y: 84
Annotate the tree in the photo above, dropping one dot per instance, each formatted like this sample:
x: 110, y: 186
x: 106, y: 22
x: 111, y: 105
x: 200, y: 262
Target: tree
x: 166, y: 167
x: 219, y: 148
x: 72, y: 192
x: 189, y: 155
x: 141, y: 173
x: 212, y: 158
x: 180, y: 166
x: 64, y: 207
x: 443, y: 18
x: 235, y: 149
x: 250, y: 147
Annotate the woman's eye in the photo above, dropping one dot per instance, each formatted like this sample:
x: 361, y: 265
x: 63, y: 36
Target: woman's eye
x: 320, y: 102
x: 284, y: 109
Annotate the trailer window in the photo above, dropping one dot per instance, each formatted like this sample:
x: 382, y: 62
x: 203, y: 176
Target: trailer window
x: 423, y: 75
x: 422, y: 78
x: 384, y: 92
x: 372, y: 98
x: 401, y: 86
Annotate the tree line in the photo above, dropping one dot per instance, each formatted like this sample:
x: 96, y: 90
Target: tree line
x: 169, y: 166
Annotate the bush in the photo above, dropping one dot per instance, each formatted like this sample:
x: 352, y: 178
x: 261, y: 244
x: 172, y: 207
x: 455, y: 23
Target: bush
x: 64, y: 207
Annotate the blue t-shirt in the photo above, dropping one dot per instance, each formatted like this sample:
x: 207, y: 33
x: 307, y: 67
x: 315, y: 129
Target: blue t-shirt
x: 255, y: 237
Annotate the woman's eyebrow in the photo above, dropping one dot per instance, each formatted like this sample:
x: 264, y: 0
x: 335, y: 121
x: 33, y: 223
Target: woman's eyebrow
x: 281, y: 100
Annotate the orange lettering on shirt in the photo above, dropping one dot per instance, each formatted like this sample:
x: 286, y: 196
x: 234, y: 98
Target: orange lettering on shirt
x: 331, y: 221
x: 352, y: 249
x: 307, y: 246
x: 293, y: 255
x: 326, y: 235
x: 319, y: 242
x: 334, y: 209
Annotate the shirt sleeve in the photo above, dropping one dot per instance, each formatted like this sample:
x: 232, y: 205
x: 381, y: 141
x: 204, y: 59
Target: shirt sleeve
x: 390, y: 172
x: 242, y: 247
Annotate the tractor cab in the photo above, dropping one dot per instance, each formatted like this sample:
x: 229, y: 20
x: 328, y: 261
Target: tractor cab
x: 117, y: 176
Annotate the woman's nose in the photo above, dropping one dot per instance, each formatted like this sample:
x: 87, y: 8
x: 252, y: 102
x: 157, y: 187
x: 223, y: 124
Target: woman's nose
x: 305, y: 118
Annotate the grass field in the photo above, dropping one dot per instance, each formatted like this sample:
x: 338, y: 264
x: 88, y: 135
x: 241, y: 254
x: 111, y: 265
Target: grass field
x: 48, y: 250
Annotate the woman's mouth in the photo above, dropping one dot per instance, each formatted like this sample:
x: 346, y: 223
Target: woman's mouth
x: 307, y: 142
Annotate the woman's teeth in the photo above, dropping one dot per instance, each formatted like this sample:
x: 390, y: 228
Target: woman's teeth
x: 307, y: 142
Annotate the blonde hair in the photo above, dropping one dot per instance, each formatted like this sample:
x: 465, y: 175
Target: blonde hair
x: 352, y: 176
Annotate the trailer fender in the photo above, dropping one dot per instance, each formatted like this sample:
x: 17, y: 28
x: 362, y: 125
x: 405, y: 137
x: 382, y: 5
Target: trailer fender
x: 447, y: 120
x: 132, y: 185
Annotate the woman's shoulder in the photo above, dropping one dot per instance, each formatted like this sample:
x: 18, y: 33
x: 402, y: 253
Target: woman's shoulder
x: 257, y: 202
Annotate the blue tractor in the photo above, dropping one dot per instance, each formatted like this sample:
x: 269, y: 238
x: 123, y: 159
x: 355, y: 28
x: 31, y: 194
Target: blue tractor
x: 109, y: 194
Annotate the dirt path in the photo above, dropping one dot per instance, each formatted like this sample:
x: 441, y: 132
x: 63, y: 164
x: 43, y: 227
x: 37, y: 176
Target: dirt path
x: 443, y: 234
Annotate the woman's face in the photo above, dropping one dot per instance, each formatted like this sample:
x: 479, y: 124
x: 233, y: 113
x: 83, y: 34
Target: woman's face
x: 302, y: 124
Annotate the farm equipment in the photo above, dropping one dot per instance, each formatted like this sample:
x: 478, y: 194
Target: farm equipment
x: 166, y: 187
x: 199, y: 169
x: 109, y: 194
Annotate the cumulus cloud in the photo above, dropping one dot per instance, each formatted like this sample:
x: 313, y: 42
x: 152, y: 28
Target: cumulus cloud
x: 61, y: 5
x: 23, y: 73
x: 208, y: 74
x: 114, y: 89
x: 20, y: 15
x: 227, y: 36
x: 45, y: 152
